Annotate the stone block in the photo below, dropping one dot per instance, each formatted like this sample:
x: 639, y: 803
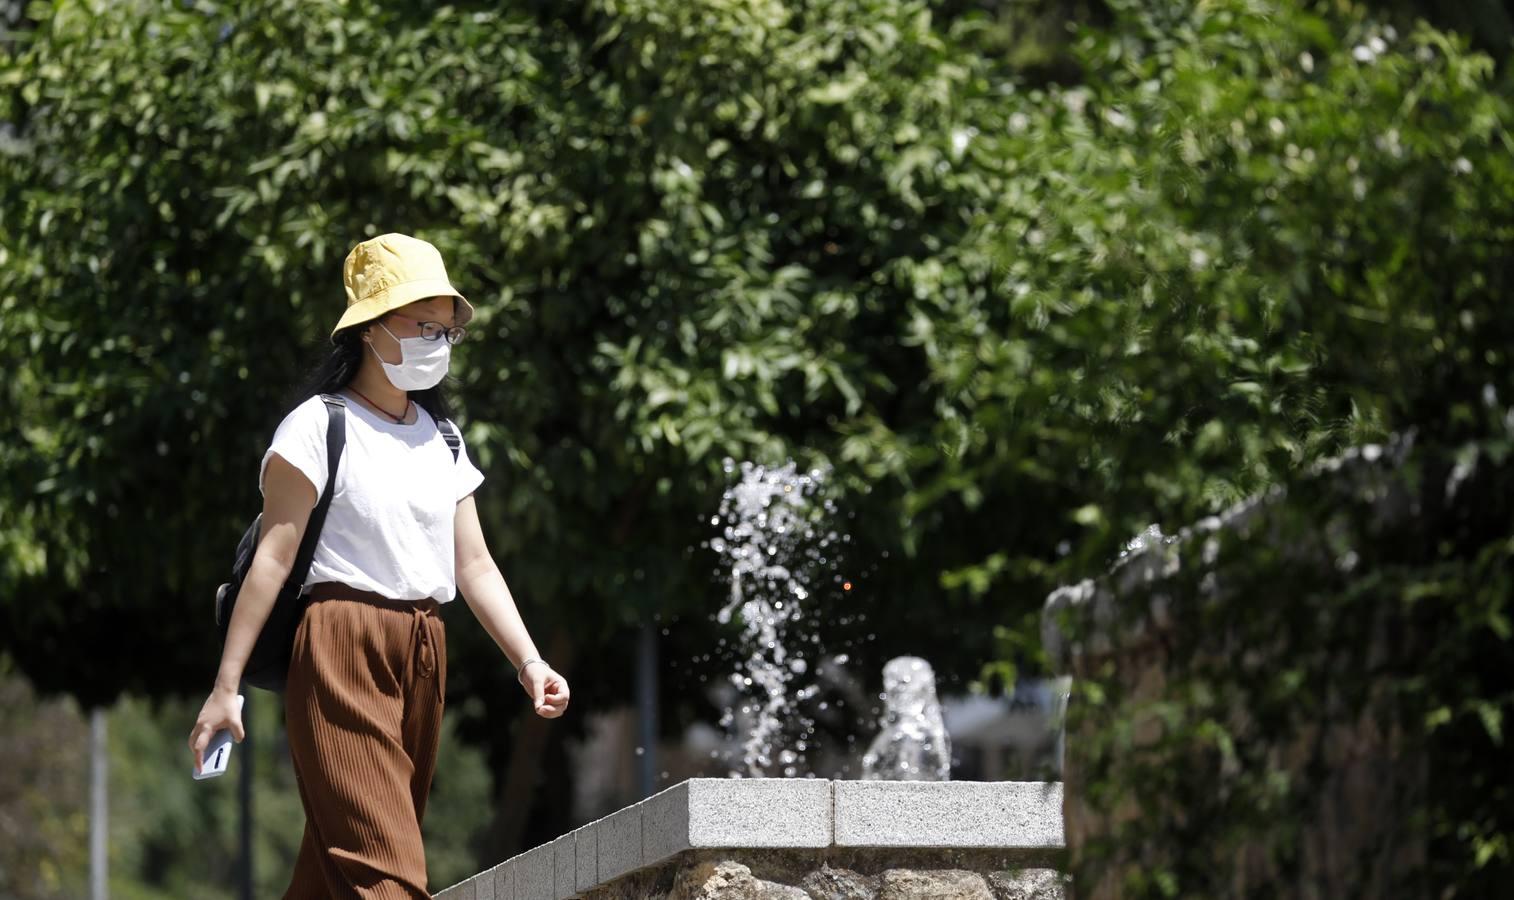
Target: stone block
x: 618, y: 840
x: 965, y: 814
x: 463, y: 890
x: 736, y: 812
x: 483, y: 886
x: 503, y: 876
x: 536, y: 874
x: 587, y: 857
x: 565, y: 863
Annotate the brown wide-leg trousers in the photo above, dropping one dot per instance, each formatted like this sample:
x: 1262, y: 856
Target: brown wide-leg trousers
x: 363, y: 709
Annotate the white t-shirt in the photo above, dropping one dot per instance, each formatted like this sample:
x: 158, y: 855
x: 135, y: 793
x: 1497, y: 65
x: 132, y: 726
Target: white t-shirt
x: 390, y: 526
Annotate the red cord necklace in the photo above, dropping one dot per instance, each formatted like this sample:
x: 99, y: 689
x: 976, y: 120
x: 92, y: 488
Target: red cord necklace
x: 398, y: 420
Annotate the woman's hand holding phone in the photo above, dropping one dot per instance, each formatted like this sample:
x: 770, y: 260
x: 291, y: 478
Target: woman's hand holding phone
x: 222, y: 712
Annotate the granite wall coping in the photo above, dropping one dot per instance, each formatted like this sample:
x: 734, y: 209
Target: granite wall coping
x: 779, y: 813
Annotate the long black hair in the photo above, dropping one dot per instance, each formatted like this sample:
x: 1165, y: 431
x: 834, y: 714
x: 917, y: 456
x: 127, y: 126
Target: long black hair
x: 338, y: 363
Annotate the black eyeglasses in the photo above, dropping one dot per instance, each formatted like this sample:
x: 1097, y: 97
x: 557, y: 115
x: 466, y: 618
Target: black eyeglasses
x: 435, y: 331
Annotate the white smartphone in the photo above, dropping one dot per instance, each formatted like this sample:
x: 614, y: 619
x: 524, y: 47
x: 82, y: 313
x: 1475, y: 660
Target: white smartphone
x: 217, y: 753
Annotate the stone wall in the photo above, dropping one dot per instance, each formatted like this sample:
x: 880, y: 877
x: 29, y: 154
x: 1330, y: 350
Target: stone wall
x: 1234, y: 729
x: 785, y: 839
x: 839, y: 875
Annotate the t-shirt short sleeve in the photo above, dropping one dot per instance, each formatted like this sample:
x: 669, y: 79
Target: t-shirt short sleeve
x: 301, y: 440
x: 466, y: 475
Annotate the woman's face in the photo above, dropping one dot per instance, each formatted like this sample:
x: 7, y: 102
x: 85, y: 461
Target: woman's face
x: 407, y: 321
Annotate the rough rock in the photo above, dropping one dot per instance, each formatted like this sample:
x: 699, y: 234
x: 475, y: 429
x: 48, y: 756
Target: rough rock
x: 828, y: 883
x: 1028, y: 884
x: 728, y: 880
x: 771, y: 891
x: 937, y: 884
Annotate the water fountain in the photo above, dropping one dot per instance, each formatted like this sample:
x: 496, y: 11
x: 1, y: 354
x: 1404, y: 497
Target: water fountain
x: 901, y: 830
x: 775, y: 548
x: 912, y: 745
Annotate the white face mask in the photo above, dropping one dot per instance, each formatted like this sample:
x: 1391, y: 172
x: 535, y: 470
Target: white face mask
x: 422, y: 363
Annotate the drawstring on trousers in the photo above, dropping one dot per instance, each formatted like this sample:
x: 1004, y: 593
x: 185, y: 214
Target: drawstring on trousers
x: 424, y: 650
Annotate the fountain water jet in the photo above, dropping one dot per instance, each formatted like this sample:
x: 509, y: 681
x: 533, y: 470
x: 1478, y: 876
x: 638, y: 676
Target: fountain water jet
x: 776, y: 550
x: 912, y: 745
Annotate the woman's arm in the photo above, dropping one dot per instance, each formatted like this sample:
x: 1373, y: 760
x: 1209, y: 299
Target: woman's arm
x: 483, y: 587
x: 288, y: 497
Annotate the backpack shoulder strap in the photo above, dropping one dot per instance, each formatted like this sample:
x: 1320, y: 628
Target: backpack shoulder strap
x: 336, y: 436
x: 450, y: 435
x: 336, y: 441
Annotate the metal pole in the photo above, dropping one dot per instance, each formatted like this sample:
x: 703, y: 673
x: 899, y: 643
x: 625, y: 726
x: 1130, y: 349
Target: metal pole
x: 98, y: 805
x: 244, y: 795
x: 646, y: 707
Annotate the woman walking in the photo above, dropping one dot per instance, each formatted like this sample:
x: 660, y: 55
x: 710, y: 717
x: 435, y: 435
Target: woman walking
x: 363, y: 705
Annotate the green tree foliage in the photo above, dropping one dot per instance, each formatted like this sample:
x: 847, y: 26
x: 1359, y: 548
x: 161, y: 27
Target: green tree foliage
x: 691, y: 229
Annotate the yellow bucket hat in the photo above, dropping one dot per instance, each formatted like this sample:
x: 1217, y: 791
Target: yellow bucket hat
x: 384, y: 273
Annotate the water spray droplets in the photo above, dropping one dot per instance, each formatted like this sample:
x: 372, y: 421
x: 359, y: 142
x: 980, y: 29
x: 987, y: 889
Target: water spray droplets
x: 773, y: 549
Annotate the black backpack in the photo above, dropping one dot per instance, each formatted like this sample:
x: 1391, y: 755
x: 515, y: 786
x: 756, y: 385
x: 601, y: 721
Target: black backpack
x: 268, y: 664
